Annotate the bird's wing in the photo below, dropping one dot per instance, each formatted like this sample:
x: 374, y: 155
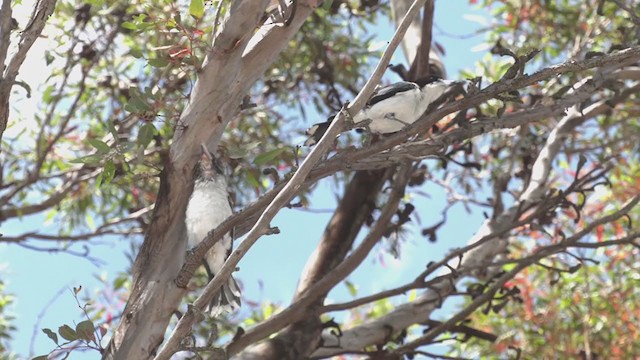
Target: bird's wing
x: 388, y: 91
x: 316, y: 131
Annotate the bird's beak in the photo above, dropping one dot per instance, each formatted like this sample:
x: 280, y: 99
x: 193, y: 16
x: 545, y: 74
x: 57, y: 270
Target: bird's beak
x: 205, y: 152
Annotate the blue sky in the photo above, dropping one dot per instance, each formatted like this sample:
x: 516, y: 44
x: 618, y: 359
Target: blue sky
x: 42, y: 281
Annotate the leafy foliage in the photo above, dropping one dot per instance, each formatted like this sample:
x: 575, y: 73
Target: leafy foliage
x: 6, y: 319
x: 121, y: 74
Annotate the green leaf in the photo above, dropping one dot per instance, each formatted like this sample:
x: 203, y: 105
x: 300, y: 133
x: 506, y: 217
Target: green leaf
x: 120, y: 282
x: 67, y: 333
x: 196, y: 8
x: 238, y: 152
x: 252, y: 180
x: 112, y: 130
x: 48, y: 58
x: 85, y: 329
x: 89, y: 159
x: 136, y: 53
x: 53, y: 336
x: 100, y: 146
x: 99, y: 179
x: 41, y: 357
x: 353, y: 290
x: 90, y: 223
x: 109, y: 172
x: 268, y: 156
x: 46, y: 94
x: 267, y: 310
x: 413, y: 294
x: 145, y: 134
x: 129, y: 25
x: 137, y: 103
x: 158, y: 62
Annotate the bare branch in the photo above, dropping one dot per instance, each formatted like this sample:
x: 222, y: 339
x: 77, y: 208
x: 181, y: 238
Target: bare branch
x: 131, y: 217
x: 298, y: 309
x: 34, y: 235
x: 41, y: 12
x: 418, y: 283
x: 625, y: 240
x: 411, y: 313
x: 84, y: 254
x: 433, y: 333
x: 58, y: 195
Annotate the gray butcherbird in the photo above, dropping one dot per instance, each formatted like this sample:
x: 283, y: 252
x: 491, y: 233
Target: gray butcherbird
x: 392, y: 107
x: 208, y: 207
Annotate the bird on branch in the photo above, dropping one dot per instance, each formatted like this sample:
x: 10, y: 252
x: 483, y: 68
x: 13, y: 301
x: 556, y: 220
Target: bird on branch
x: 393, y: 107
x: 208, y: 207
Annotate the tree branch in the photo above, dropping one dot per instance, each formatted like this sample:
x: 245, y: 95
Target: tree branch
x: 282, y: 198
x: 405, y: 315
x: 489, y: 293
x: 41, y: 12
x: 297, y: 310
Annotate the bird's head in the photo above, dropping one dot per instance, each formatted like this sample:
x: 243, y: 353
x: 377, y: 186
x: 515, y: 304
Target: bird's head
x: 208, y: 167
x: 430, y: 79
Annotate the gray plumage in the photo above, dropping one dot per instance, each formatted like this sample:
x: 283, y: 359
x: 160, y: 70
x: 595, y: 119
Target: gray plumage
x: 208, y: 207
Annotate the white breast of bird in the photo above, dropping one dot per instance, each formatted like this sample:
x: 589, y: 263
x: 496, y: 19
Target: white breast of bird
x: 403, y: 109
x: 209, y: 207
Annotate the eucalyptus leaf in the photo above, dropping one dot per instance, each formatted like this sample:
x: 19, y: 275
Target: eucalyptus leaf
x: 196, y: 8
x: 100, y: 145
x: 268, y: 156
x: 67, y: 333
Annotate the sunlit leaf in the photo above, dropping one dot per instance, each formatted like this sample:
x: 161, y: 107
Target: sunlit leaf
x: 129, y: 25
x: 109, y: 172
x: 196, y: 8
x: 353, y: 289
x: 268, y: 156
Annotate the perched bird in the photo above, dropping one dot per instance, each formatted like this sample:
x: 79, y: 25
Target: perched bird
x: 392, y: 107
x: 208, y: 207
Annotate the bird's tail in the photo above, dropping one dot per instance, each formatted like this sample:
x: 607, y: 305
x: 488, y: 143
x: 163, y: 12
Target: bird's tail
x: 316, y: 131
x: 227, y: 300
